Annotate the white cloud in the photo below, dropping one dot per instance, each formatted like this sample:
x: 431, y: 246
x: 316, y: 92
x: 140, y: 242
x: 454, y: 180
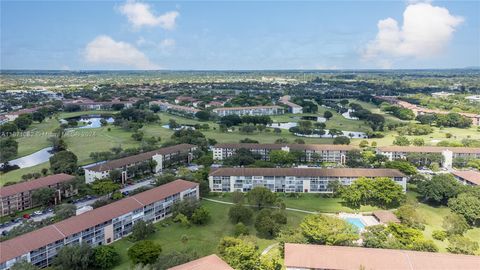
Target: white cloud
x: 425, y: 32
x: 104, y: 50
x: 140, y: 14
x: 167, y: 44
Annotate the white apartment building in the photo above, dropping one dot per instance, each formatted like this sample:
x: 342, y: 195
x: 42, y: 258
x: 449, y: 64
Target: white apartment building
x: 307, y: 180
x: 312, y: 152
x: 163, y: 157
x: 253, y: 110
x: 100, y: 226
x: 293, y: 108
x: 448, y: 153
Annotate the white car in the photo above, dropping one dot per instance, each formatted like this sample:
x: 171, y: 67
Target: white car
x: 38, y: 212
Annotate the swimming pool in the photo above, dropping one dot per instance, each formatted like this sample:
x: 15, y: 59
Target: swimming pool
x: 357, y: 222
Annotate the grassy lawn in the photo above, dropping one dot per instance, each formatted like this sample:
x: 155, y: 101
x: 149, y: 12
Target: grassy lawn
x: 202, y: 239
x: 308, y: 202
x: 16, y: 175
x: 433, y: 217
x: 36, y: 136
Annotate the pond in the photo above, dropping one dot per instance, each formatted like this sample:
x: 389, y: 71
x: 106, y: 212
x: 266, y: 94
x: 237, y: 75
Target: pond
x: 348, y: 116
x: 181, y: 127
x: 285, y: 125
x: 89, y: 121
x: 350, y: 134
x: 34, y: 159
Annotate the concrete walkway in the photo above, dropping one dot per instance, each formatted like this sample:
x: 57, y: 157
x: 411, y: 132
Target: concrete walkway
x: 267, y: 249
x: 289, y: 209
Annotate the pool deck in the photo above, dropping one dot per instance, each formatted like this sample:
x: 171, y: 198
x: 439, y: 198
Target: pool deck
x: 367, y: 220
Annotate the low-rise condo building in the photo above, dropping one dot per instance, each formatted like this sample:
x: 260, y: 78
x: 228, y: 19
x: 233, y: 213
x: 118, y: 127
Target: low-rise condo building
x: 165, y: 106
x: 211, y: 262
x: 253, y: 110
x: 312, y: 152
x: 18, y: 197
x: 308, y: 180
x: 448, y: 153
x: 467, y: 177
x: 292, y: 107
x: 310, y: 257
x: 163, y: 157
x: 100, y: 226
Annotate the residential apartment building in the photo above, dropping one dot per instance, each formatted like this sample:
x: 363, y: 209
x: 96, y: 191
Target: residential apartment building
x: 467, y: 177
x: 308, y: 180
x: 18, y: 197
x: 211, y: 262
x: 448, y: 153
x: 309, y: 257
x: 417, y: 110
x: 163, y: 157
x: 312, y: 152
x: 86, y: 104
x: 292, y: 107
x: 100, y: 226
x: 253, y: 110
x: 165, y: 106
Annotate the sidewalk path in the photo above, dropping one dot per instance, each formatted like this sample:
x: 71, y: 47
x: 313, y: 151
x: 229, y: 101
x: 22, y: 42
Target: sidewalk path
x: 289, y: 209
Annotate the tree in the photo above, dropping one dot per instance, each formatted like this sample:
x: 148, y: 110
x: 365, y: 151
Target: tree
x: 281, y: 157
x: 186, y: 207
x: 261, y: 197
x: 328, y: 115
x: 402, y: 165
x: 203, y: 115
x: 401, y: 141
x: 354, y: 159
x: 23, y: 121
x: 201, y: 216
x: 409, y: 216
x: 38, y: 116
x: 155, y: 108
x: 382, y: 192
x: 174, y: 258
x: 43, y: 196
x: 8, y: 149
x: 379, y: 236
x: 242, y: 157
x: 439, y: 189
x: 74, y: 257
x: 240, y: 213
x: 144, y: 252
x: 468, y: 205
x: 334, y: 132
x: 105, y: 257
x: 426, y: 119
x: 363, y: 144
x: 461, y: 245
x: 266, y: 225
x: 341, y: 140
x: 64, y: 211
x: 243, y: 255
x: 23, y: 265
x: 240, y: 229
x: 455, y: 224
x: 7, y: 129
x: 326, y: 230
x: 142, y: 230
x: 237, y: 197
x: 63, y: 162
x: 418, y: 142
x: 103, y: 187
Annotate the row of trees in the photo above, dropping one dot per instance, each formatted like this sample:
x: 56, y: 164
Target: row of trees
x: 445, y: 120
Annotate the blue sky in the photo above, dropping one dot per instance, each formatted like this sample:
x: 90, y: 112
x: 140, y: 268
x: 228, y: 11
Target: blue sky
x: 239, y: 35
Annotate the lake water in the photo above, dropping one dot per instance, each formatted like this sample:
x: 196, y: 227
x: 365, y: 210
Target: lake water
x: 181, y: 127
x: 285, y: 125
x: 350, y: 134
x: 34, y: 159
x: 90, y: 121
x: 347, y: 115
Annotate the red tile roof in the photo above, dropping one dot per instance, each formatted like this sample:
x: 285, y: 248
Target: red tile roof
x: 33, y: 240
x: 332, y: 172
x: 470, y: 176
x: 385, y: 216
x: 211, y: 262
x: 35, y: 184
x: 354, y: 258
x: 118, y: 163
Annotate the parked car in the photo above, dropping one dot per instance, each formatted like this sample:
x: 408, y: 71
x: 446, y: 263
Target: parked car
x: 38, y: 212
x: 26, y: 216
